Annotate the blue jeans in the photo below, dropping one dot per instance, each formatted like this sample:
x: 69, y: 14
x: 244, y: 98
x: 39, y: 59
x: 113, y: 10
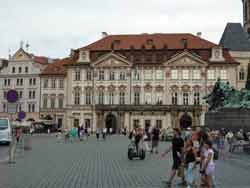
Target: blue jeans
x: 190, y: 175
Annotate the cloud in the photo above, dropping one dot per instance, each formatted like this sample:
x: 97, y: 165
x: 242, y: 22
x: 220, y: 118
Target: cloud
x: 53, y: 27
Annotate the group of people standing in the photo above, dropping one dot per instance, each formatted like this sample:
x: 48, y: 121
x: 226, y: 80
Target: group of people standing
x: 192, y: 151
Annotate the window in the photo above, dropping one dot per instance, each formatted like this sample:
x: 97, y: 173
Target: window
x: 196, y: 74
x: 101, y: 75
x: 122, y: 75
x: 148, y: 74
x: 112, y: 75
x: 159, y: 123
x: 4, y: 108
x: 30, y: 81
x: 137, y: 98
x: 242, y: 74
x: 34, y: 94
x: 89, y: 75
x: 5, y: 94
x: 185, y: 74
x: 77, y: 96
x: 223, y: 74
x: 122, y: 98
x: 30, y: 94
x: 53, y: 83
x: 21, y: 81
x: 20, y: 94
x: 147, y: 123
x: 52, y: 102
x: 159, y: 98
x: 159, y: 75
x: 101, y: 97
x: 13, y: 69
x: 60, y: 102
x: 136, y: 123
x: 5, y: 82
x: 19, y: 107
x: 88, y: 97
x: 185, y: 98
x: 77, y: 74
x: 26, y: 69
x: 45, y: 101
x: 46, y: 83
x: 136, y: 75
x: 8, y: 82
x: 196, y: 98
x: 148, y: 98
x: 211, y: 74
x: 174, y: 74
x: 29, y: 108
x: 34, y: 81
x: 19, y: 69
x: 111, y: 98
x: 33, y: 107
x: 174, y: 98
x: 61, y: 83
x: 17, y: 82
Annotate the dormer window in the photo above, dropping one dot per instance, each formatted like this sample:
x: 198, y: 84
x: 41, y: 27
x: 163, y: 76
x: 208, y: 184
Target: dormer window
x: 83, y: 56
x: 217, y: 55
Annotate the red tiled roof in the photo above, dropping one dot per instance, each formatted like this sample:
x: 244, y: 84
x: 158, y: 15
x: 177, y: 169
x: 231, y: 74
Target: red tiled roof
x: 57, y: 68
x: 172, y: 41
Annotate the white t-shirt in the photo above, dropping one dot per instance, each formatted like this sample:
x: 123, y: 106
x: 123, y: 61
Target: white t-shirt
x: 206, y: 153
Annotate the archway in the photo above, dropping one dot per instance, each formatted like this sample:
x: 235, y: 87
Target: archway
x: 185, y: 121
x: 111, y: 122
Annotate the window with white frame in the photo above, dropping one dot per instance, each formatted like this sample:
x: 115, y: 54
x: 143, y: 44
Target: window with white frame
x: 53, y: 83
x: 196, y: 98
x: 223, y: 74
x: 211, y: 74
x: 45, y: 101
x: 196, y: 74
x: 101, y: 97
x: 174, y: 74
x: 136, y: 74
x: 101, y: 74
x: 88, y: 97
x: 159, y: 98
x: 148, y: 74
x: 29, y: 107
x: 61, y: 83
x: 45, y: 83
x: 111, y: 75
x: 159, y: 75
x: 77, y: 74
x: 185, y: 74
x: 60, y: 102
x: 174, y: 98
x: 52, y: 102
x: 34, y: 81
x: 148, y: 97
x: 111, y: 98
x: 185, y: 98
x: 77, y: 96
x: 122, y: 97
x: 122, y: 75
x: 137, y: 97
x: 89, y: 75
x: 242, y: 74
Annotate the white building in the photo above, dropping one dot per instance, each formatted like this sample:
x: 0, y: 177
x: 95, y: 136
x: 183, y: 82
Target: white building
x: 21, y: 73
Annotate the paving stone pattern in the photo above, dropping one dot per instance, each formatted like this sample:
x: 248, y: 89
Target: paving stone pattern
x: 101, y: 164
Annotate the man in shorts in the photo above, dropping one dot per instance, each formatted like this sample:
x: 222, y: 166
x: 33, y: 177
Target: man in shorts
x: 177, y: 152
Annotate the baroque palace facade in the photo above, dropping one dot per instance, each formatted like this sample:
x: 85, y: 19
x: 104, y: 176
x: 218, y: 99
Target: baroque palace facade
x: 135, y: 80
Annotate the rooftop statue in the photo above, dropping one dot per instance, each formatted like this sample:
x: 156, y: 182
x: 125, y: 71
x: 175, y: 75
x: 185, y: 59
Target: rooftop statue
x: 225, y: 96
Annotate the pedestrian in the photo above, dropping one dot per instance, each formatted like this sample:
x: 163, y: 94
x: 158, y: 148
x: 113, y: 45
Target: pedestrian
x: 18, y: 134
x: 104, y: 132
x: 208, y: 165
x: 86, y: 133
x: 79, y: 132
x: 110, y: 131
x: 73, y: 134
x: 147, y: 139
x: 155, y: 139
x: 177, y: 149
x: 97, y: 133
x: 190, y: 163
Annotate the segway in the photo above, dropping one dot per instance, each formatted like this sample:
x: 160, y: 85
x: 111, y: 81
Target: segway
x: 132, y: 153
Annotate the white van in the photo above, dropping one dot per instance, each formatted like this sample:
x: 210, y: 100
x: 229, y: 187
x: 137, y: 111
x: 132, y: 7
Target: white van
x: 5, y: 131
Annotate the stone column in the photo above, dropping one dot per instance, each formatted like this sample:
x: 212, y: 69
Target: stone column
x: 94, y: 121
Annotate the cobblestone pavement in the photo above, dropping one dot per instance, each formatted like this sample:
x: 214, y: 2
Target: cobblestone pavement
x: 96, y: 164
x: 4, y: 152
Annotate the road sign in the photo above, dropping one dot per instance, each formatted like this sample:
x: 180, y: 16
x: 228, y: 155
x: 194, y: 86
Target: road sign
x: 11, y: 108
x: 12, y: 96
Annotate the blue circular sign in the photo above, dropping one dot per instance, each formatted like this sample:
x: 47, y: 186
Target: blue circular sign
x: 21, y: 115
x: 12, y: 96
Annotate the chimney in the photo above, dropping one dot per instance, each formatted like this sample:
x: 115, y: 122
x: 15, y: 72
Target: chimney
x: 199, y: 34
x: 104, y: 34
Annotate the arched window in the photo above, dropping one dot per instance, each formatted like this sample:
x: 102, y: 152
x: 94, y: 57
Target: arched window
x: 196, y: 98
x: 185, y: 98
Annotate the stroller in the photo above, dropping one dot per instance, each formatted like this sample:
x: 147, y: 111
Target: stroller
x: 133, y: 153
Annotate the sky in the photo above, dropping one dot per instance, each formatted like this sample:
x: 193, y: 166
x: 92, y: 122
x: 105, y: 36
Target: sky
x: 53, y: 27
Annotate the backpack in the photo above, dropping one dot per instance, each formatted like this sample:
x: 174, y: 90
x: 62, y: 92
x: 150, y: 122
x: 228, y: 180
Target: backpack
x: 216, y: 154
